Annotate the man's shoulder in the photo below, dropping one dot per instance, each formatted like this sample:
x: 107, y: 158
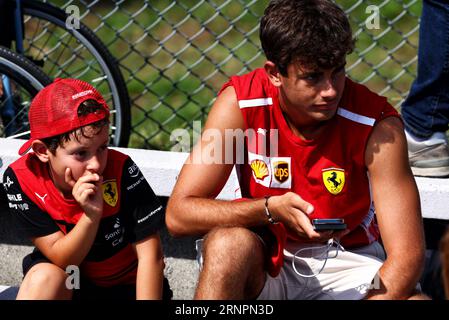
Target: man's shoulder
x: 251, y: 78
x: 252, y: 85
x: 357, y: 92
x: 359, y: 99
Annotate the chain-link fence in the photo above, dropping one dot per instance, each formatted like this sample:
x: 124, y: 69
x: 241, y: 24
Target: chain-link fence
x: 175, y: 55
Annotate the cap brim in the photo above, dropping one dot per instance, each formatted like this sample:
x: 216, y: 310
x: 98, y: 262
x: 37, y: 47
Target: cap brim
x: 25, y: 147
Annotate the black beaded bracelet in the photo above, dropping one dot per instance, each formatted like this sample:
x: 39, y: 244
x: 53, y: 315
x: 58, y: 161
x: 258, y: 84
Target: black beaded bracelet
x: 270, y: 218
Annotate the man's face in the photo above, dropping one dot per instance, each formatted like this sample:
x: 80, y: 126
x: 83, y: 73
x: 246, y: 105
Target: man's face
x: 88, y: 155
x: 309, y: 96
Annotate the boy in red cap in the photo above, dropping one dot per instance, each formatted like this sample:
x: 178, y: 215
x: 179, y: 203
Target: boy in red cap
x: 88, y: 210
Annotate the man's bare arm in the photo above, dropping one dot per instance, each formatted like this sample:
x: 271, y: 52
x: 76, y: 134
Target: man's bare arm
x: 398, y: 211
x: 192, y: 209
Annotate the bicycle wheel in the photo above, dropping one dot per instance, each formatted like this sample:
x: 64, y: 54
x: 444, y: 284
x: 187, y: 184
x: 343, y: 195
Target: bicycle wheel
x: 77, y: 54
x: 23, y: 81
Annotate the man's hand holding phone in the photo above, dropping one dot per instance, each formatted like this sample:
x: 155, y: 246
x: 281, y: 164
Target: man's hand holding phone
x: 328, y: 224
x: 333, y: 228
x: 294, y: 213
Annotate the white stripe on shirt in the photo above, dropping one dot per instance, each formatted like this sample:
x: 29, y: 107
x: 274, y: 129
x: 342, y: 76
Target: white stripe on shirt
x: 356, y: 117
x: 255, y: 103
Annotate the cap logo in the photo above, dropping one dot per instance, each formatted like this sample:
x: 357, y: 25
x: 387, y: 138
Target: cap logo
x: 82, y: 94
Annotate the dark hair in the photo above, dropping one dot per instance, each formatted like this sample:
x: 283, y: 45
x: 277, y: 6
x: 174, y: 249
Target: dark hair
x: 315, y: 33
x: 85, y: 108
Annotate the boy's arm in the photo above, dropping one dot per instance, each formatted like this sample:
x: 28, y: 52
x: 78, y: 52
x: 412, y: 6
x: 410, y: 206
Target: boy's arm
x: 60, y: 249
x: 143, y: 220
x: 144, y: 214
x: 150, y: 269
x: 398, y: 211
x: 72, y: 248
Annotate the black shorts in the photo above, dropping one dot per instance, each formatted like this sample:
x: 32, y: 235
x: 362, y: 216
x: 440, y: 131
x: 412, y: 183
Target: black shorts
x: 90, y: 291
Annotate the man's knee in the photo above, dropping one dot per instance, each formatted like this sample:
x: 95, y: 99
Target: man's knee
x: 232, y: 248
x: 232, y: 240
x: 233, y: 262
x: 417, y: 295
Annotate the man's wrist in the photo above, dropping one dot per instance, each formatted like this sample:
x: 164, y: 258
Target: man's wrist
x: 267, y: 211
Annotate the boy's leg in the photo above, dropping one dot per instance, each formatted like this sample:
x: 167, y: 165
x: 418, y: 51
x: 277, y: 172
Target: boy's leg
x: 44, y: 281
x: 233, y: 265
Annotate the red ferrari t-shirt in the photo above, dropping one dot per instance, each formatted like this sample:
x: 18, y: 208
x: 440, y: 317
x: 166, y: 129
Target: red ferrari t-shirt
x: 329, y: 171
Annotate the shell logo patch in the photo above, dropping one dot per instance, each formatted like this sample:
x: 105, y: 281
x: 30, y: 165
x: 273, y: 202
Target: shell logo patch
x: 260, y: 169
x: 110, y: 193
x: 334, y: 179
x: 281, y: 171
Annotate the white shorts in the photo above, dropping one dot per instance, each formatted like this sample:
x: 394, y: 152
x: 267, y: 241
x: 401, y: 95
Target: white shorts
x: 347, y: 276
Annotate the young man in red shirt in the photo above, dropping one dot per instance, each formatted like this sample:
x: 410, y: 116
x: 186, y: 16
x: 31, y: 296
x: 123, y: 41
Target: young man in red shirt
x: 317, y: 146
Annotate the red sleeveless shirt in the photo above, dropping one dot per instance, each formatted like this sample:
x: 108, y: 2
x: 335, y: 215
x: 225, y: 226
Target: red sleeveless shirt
x: 329, y: 171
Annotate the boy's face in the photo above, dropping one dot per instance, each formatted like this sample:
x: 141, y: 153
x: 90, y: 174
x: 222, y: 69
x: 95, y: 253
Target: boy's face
x: 309, y: 96
x: 88, y: 155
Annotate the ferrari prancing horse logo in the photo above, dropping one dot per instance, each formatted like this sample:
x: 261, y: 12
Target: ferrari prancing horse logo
x: 334, y: 179
x: 110, y: 194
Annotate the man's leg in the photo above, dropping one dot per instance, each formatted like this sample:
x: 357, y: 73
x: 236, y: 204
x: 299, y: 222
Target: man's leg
x: 233, y: 265
x: 426, y: 109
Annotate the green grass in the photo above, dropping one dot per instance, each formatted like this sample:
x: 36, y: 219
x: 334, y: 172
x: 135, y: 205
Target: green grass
x: 175, y: 63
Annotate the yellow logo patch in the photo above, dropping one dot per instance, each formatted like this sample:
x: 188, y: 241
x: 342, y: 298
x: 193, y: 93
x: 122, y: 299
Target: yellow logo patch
x: 334, y: 179
x: 110, y: 193
x: 281, y: 171
x: 260, y: 169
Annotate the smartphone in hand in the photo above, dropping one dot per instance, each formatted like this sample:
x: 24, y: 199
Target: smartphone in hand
x: 328, y: 224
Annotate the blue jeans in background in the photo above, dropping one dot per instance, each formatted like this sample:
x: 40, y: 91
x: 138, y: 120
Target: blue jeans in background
x: 426, y: 109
